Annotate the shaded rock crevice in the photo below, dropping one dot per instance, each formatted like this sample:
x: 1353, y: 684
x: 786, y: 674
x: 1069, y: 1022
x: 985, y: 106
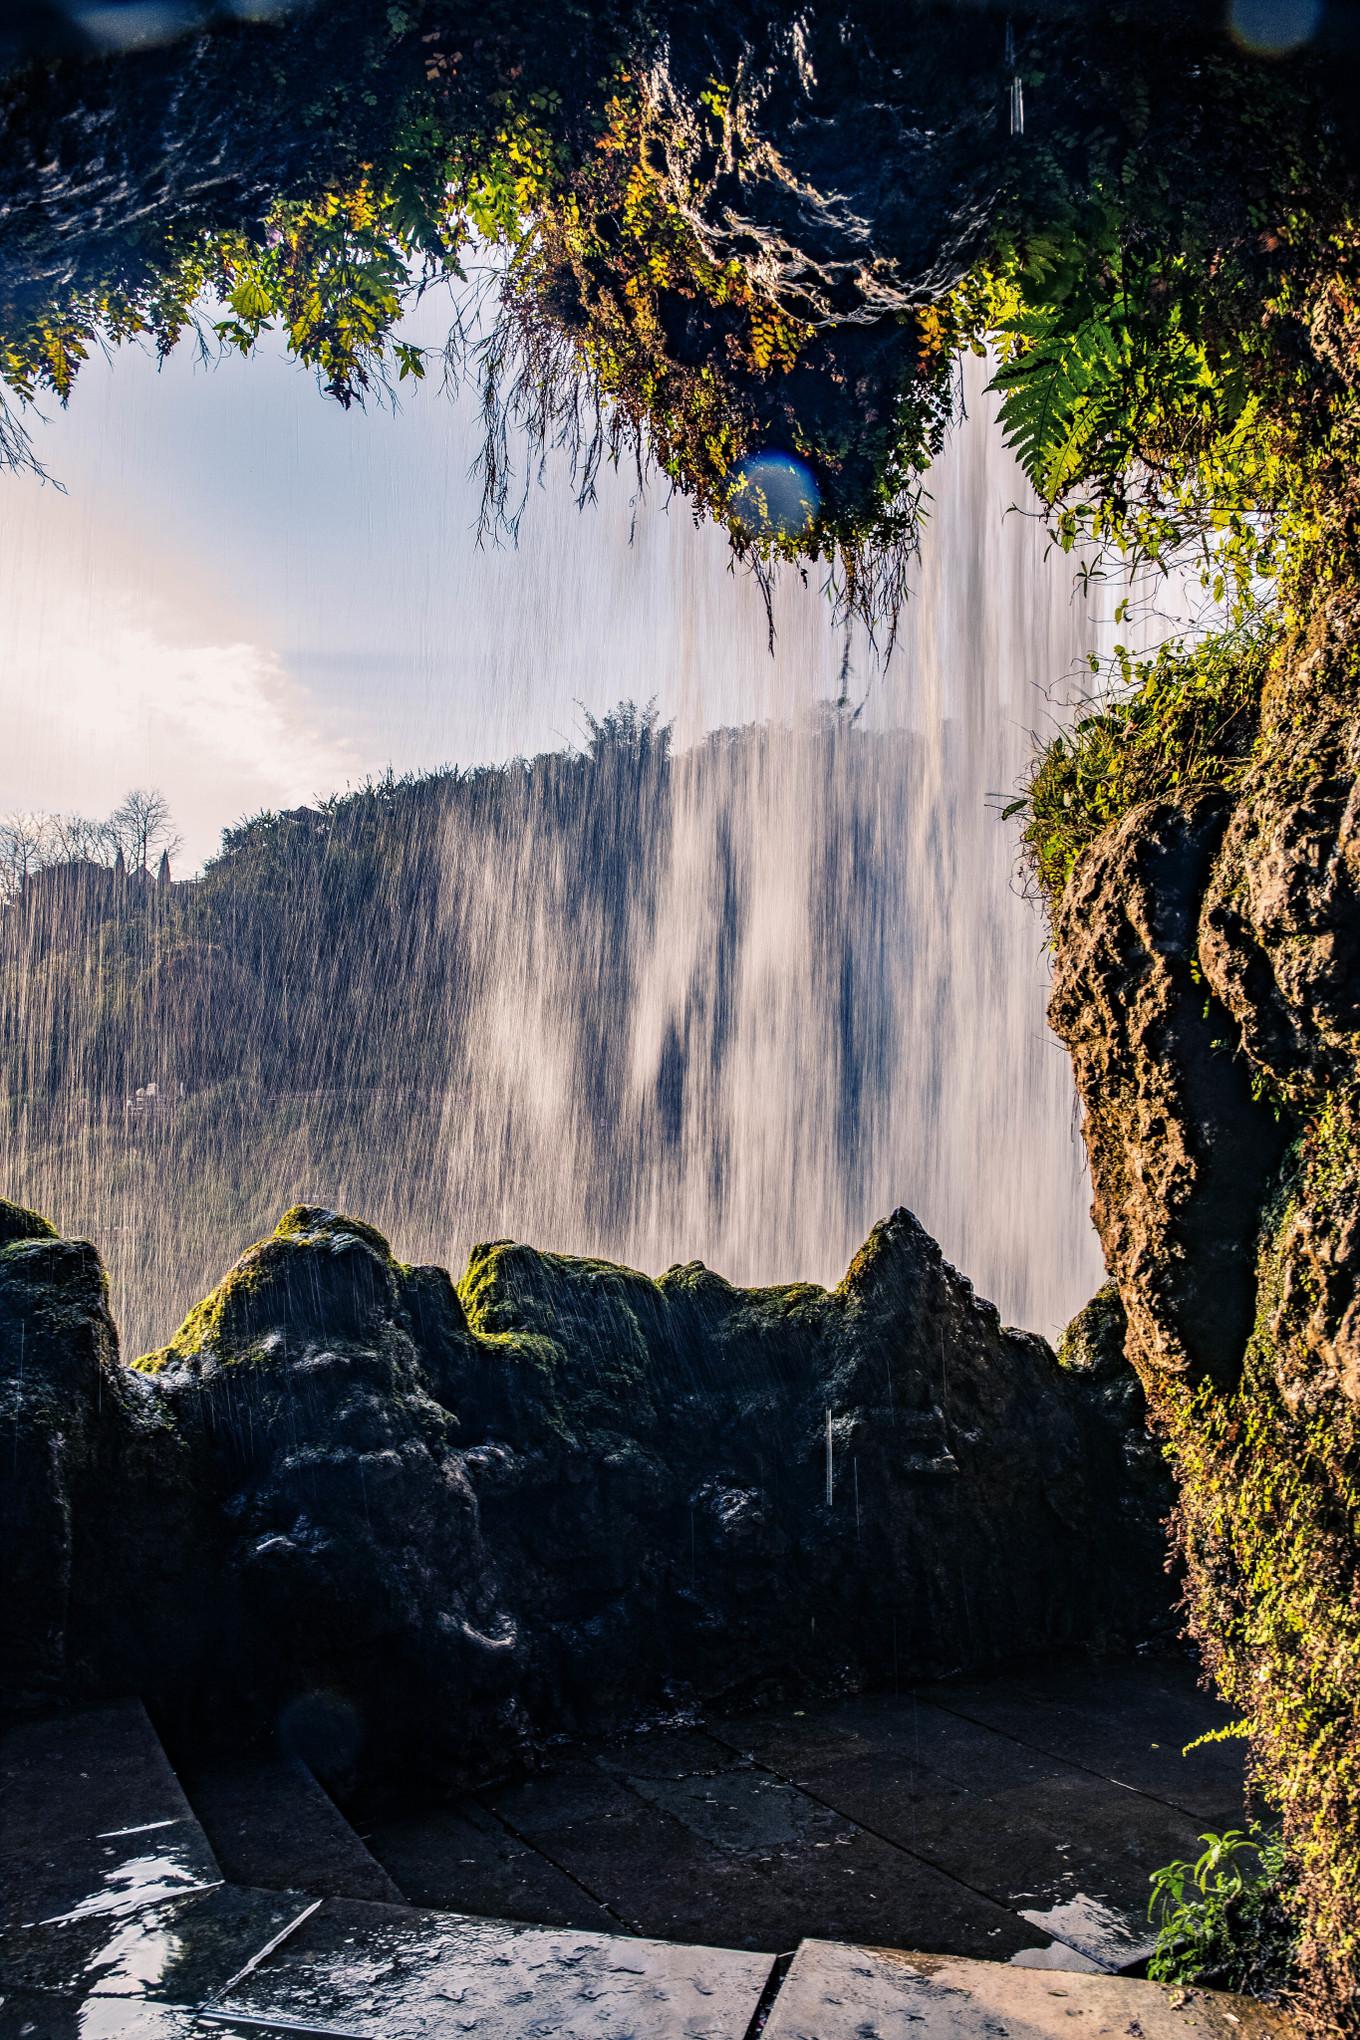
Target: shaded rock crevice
x: 100, y: 1516
x: 1183, y: 1151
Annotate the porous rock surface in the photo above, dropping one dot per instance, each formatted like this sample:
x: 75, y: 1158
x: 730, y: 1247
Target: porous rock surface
x: 1207, y: 981
x: 1207, y: 984
x: 394, y: 1521
x: 1180, y: 1151
x: 97, y: 1508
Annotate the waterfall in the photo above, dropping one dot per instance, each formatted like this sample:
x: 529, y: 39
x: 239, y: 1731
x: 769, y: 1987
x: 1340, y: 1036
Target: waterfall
x: 732, y: 1004
x: 824, y: 987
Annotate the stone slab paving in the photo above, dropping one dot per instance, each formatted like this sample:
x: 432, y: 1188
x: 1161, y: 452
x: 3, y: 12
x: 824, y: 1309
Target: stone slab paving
x: 839, y: 1993
x: 181, y: 1952
x: 1129, y: 1722
x: 1065, y: 1850
x: 404, y: 1974
x: 87, y: 1773
x: 689, y: 1842
x: 243, y: 1961
x: 1018, y: 1818
x: 131, y: 1931
x: 115, y: 1923
x: 27, y: 2016
x: 469, y: 1861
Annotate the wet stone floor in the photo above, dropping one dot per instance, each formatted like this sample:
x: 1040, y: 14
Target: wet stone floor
x: 1016, y: 1820
x: 753, y: 1876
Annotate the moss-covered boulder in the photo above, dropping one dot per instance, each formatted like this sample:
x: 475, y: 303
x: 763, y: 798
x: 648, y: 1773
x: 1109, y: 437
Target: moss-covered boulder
x: 316, y: 1275
x: 355, y: 1588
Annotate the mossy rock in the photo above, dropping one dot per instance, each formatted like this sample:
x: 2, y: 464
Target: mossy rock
x: 316, y: 1225
x: 598, y: 1328
x: 1093, y: 1344
x: 17, y: 1223
x: 319, y: 1277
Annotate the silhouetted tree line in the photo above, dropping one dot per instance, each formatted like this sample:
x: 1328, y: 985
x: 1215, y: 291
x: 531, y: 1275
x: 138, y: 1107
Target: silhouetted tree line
x: 324, y: 947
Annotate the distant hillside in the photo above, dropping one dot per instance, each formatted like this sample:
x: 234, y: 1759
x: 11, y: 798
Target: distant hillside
x: 726, y: 1003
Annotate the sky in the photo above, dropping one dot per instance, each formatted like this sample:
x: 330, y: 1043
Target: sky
x: 246, y: 596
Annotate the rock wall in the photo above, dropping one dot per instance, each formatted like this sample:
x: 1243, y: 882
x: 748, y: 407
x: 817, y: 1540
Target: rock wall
x: 1207, y: 984
x: 399, y: 1522
x: 100, y: 1517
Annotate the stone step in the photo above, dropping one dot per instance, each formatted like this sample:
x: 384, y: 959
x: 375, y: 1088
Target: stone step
x: 231, y: 1960
x: 402, y: 1973
x: 116, y: 1924
x: 234, y: 1962
x: 93, y: 1819
x: 461, y: 1858
x: 273, y: 1826
x: 115, y: 1919
x: 835, y: 1992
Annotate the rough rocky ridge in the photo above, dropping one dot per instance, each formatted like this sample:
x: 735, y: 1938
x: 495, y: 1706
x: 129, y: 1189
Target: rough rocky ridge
x: 390, y: 1519
x: 1207, y: 982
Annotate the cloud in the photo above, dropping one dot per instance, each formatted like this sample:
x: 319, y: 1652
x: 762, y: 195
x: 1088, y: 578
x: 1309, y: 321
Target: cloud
x: 107, y: 691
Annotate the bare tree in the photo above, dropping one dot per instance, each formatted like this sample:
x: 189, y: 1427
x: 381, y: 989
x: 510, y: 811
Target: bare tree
x: 26, y: 842
x: 137, y: 830
x: 140, y: 826
x: 79, y: 838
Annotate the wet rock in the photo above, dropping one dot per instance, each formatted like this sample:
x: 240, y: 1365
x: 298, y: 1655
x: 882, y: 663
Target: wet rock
x: 94, y: 1494
x: 430, y: 1524
x: 1279, y: 936
x: 356, y: 1588
x: 1207, y: 984
x: 1182, y: 1154
x: 1093, y: 1344
x: 1279, y: 932
x: 1093, y: 1347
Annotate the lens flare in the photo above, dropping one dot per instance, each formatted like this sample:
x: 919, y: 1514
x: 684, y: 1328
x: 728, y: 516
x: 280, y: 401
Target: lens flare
x: 773, y: 495
x: 1273, y: 28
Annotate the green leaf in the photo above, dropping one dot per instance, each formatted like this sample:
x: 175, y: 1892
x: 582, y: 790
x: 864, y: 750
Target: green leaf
x: 250, y: 300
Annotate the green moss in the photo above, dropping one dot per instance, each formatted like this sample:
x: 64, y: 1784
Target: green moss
x: 17, y: 1223
x: 582, y: 1337
x: 508, y: 1285
x: 1268, y: 1520
x: 202, y: 1330
x: 1093, y: 1343
x: 1187, y: 718
x: 313, y: 1222
x: 229, y: 1322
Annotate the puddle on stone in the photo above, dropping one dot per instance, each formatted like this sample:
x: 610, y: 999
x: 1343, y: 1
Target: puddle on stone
x: 180, y: 1951
x: 1095, y: 1929
x: 34, y: 2016
x: 133, y: 1883
x: 1057, y: 1955
x: 740, y: 1810
x: 53, y: 1882
x: 146, y: 1827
